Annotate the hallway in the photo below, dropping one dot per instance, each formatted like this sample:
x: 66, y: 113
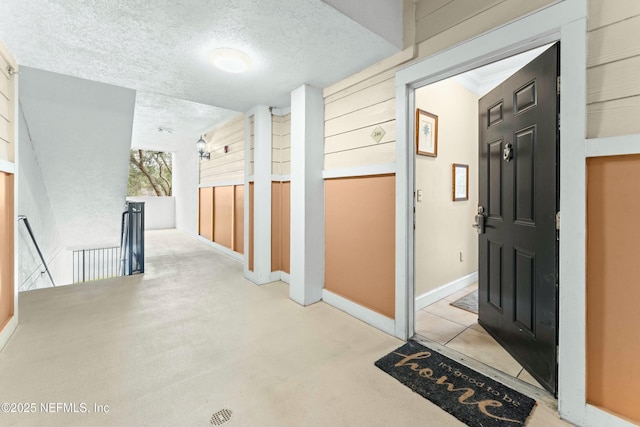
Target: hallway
x: 191, y: 337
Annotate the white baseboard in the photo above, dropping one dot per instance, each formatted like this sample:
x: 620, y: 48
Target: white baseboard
x: 443, y: 291
x: 279, y: 276
x: 235, y: 255
x: 377, y: 320
x: 8, y: 331
x: 275, y: 276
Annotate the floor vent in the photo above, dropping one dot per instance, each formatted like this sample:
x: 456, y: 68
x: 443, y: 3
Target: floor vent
x: 221, y: 417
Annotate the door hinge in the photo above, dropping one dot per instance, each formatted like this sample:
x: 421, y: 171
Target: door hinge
x: 558, y: 220
x: 558, y: 85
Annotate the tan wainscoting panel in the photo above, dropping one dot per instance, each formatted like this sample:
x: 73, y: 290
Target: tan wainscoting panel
x: 613, y: 245
x: 360, y: 241
x: 251, y: 216
x: 238, y: 219
x: 280, y: 226
x: 285, y: 228
x: 205, y: 228
x: 276, y: 226
x: 223, y: 215
x: 7, y: 223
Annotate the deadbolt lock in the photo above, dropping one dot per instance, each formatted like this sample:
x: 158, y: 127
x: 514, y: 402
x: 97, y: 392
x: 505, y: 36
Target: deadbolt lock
x: 507, y: 153
x: 479, y: 224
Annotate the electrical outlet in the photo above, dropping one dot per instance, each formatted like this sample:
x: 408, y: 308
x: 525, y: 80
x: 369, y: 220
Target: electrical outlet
x: 461, y: 256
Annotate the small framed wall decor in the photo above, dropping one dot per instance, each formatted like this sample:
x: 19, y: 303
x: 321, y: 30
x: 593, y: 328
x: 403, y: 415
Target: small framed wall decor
x: 426, y: 133
x: 460, y: 185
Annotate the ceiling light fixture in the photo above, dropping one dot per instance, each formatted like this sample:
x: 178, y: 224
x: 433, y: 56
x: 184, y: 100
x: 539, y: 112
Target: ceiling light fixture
x: 201, y: 144
x: 230, y: 60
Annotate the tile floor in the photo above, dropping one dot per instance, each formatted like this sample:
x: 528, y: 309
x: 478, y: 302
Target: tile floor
x: 459, y: 330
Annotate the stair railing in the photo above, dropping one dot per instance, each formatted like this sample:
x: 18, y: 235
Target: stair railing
x: 24, y: 219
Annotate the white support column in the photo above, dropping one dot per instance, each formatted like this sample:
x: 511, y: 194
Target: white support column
x: 262, y: 194
x: 307, y: 195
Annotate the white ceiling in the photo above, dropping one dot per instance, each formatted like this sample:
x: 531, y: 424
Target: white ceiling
x: 181, y: 122
x: 161, y: 49
x: 481, y: 80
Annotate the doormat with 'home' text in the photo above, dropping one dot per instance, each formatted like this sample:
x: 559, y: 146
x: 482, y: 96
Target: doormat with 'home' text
x: 471, y: 397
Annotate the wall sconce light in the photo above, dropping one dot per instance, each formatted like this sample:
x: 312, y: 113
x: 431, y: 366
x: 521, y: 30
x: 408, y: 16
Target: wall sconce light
x: 201, y: 144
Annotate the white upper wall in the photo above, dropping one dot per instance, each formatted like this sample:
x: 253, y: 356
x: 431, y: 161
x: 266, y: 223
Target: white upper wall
x: 34, y: 203
x: 383, y: 17
x: 186, y: 175
x: 81, y: 135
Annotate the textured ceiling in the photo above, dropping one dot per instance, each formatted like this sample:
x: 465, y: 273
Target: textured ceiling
x: 161, y: 49
x: 182, y: 121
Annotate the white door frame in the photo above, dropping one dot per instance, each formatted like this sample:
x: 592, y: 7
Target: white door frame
x: 564, y: 21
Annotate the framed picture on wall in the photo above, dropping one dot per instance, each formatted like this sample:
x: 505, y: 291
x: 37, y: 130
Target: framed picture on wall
x: 460, y: 185
x: 426, y: 133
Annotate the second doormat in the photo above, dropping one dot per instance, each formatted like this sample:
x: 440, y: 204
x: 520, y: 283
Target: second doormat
x: 468, y: 302
x: 471, y: 397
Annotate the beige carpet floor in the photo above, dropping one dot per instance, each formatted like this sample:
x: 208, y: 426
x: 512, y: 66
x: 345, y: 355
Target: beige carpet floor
x: 192, y: 337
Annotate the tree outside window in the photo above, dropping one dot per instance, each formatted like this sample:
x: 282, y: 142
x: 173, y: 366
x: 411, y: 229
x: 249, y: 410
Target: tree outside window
x: 149, y: 173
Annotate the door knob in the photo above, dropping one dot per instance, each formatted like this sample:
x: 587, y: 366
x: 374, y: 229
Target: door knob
x: 479, y: 218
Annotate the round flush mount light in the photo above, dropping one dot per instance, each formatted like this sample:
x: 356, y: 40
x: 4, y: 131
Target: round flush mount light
x: 230, y: 60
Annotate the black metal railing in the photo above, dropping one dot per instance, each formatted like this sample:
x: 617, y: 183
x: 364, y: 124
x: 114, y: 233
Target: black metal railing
x: 24, y: 219
x: 132, y: 239
x: 95, y: 264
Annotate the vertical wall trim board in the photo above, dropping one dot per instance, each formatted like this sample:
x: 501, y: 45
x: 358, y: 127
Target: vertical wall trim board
x: 307, y: 195
x: 12, y: 324
x: 572, y: 292
x: 368, y: 316
x: 443, y: 291
x: 564, y: 21
x: 262, y: 124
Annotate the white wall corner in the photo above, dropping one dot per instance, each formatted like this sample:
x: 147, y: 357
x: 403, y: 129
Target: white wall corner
x: 307, y: 195
x: 285, y: 277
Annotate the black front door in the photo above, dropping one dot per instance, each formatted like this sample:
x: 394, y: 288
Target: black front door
x: 518, y: 200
